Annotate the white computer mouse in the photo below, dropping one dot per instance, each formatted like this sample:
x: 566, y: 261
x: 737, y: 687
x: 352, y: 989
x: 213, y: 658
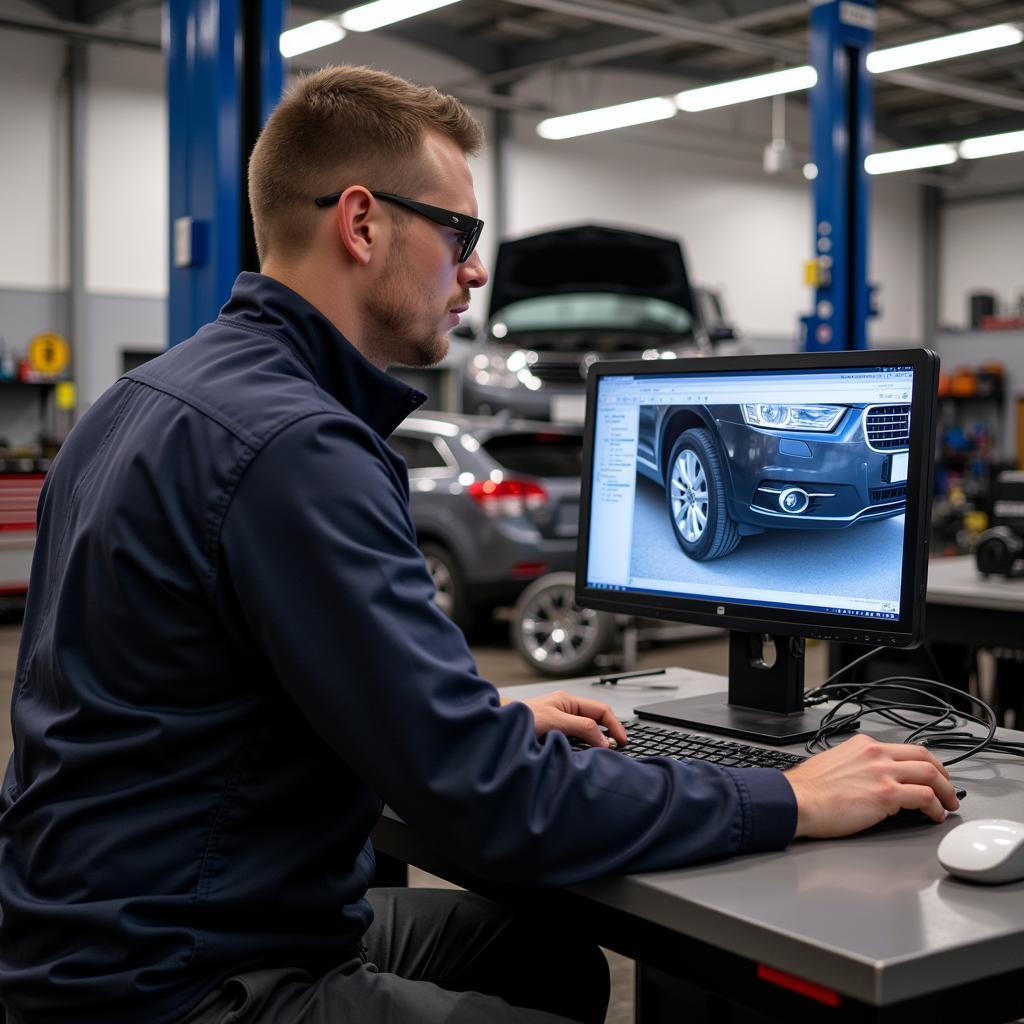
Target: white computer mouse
x: 989, y: 850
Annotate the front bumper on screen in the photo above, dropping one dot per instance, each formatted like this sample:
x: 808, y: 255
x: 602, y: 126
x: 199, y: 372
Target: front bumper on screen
x: 783, y: 480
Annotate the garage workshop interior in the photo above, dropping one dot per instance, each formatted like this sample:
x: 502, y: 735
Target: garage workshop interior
x: 722, y: 435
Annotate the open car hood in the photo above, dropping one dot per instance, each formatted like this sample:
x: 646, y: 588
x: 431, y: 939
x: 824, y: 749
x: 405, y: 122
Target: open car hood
x: 590, y: 258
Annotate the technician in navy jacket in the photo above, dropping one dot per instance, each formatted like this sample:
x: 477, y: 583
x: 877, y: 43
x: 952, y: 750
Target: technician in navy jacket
x: 231, y: 658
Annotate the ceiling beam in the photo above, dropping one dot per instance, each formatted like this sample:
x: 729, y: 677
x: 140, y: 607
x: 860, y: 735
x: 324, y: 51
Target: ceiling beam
x: 608, y: 44
x: 959, y: 88
x: 482, y: 56
x: 689, y: 30
x: 97, y: 10
x: 78, y: 32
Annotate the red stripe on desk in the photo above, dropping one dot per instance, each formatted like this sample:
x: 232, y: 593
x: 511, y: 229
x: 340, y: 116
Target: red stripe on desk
x: 799, y: 985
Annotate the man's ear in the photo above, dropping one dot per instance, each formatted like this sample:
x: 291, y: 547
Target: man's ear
x: 357, y: 220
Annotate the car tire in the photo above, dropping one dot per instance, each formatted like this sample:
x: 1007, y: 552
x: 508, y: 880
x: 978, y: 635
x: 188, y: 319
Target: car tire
x: 555, y: 635
x: 449, y: 584
x: 695, y: 493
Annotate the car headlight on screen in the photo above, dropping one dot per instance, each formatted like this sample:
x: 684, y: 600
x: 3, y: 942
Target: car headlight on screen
x: 773, y: 416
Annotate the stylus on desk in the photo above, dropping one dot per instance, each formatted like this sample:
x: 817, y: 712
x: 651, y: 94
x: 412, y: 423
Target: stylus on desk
x: 614, y: 680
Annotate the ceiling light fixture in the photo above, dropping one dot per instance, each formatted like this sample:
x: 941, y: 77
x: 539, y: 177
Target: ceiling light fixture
x: 367, y: 17
x: 911, y: 159
x: 622, y: 115
x: 943, y: 48
x: 992, y: 145
x: 310, y: 36
x: 775, y: 83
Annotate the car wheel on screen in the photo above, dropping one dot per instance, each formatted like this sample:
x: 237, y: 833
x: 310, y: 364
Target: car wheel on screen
x: 696, y: 497
x: 553, y: 633
x: 449, y: 588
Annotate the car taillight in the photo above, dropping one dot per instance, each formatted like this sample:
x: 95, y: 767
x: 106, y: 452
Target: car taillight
x: 507, y: 497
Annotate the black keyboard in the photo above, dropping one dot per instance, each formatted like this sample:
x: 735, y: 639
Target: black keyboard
x: 647, y: 740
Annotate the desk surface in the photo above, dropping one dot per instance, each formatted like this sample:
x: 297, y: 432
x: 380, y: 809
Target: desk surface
x: 874, y: 917
x: 956, y: 581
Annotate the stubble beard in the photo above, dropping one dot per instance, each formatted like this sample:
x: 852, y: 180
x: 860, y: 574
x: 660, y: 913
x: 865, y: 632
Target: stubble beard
x: 392, y: 327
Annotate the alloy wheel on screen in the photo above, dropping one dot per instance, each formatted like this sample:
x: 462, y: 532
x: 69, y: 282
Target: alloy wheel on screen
x: 690, y: 496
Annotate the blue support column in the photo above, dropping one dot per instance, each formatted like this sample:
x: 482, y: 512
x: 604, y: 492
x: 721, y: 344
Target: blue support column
x: 842, y: 134
x: 224, y: 75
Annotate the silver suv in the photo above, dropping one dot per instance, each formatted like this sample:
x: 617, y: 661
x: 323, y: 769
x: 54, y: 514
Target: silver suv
x: 495, y: 503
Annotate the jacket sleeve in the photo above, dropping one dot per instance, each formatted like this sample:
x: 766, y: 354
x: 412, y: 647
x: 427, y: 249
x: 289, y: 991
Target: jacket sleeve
x: 321, y: 553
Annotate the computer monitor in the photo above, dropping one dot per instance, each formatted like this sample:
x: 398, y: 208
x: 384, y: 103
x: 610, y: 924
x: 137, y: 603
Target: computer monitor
x: 775, y: 496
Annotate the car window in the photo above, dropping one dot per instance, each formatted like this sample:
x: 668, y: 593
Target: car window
x: 583, y: 310
x: 538, y: 454
x: 418, y: 452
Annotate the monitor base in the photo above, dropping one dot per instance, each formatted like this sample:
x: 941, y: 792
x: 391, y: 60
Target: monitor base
x: 710, y: 713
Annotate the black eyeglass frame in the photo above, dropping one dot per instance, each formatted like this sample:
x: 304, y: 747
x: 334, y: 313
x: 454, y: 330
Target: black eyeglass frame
x: 470, y: 227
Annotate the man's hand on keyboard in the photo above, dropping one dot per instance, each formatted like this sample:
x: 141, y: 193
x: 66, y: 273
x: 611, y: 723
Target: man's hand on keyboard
x: 576, y: 716
x: 860, y: 782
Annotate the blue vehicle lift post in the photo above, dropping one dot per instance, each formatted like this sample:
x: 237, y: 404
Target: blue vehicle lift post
x: 842, y: 135
x: 224, y: 75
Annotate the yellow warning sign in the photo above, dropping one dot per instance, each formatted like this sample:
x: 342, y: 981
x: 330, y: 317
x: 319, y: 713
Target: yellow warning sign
x: 48, y: 353
x: 66, y: 395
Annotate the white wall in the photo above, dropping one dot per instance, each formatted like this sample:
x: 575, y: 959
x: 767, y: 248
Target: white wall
x: 982, y: 251
x: 126, y: 173
x: 33, y: 158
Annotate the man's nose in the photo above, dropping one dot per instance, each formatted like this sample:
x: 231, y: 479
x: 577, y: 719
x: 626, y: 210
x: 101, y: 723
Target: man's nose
x: 473, y: 273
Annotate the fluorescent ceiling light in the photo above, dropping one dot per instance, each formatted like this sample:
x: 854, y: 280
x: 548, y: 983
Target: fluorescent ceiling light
x: 910, y: 159
x: 310, y: 36
x: 773, y: 84
x: 622, y: 115
x: 943, y: 48
x: 992, y: 145
x: 384, y: 12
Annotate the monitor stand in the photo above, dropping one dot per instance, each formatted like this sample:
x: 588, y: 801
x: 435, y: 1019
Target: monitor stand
x: 765, y: 702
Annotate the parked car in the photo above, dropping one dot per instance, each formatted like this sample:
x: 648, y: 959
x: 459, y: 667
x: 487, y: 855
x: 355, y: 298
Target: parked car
x: 563, y: 299
x: 495, y: 503
x: 735, y: 470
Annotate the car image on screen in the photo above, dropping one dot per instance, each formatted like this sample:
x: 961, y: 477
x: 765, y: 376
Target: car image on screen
x: 730, y: 471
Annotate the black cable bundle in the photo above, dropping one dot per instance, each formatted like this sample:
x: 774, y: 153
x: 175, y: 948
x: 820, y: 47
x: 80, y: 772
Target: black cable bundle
x: 933, y: 720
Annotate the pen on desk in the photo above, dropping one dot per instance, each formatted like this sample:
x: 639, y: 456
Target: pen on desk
x: 614, y: 680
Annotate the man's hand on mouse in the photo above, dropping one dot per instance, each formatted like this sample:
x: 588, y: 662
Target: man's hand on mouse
x: 580, y: 717
x: 861, y: 782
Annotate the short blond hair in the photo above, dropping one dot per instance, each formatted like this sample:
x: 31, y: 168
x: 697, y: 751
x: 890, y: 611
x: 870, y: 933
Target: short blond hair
x: 343, y: 126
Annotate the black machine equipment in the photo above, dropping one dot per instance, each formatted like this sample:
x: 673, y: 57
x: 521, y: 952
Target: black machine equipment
x: 1000, y: 550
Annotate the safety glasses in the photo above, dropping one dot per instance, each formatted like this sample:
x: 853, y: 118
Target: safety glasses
x: 470, y: 227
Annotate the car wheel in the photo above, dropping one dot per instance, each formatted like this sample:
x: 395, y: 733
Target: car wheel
x: 695, y: 490
x: 449, y: 586
x: 553, y: 633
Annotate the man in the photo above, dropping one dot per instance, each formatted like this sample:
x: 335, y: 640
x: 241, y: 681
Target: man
x: 231, y: 659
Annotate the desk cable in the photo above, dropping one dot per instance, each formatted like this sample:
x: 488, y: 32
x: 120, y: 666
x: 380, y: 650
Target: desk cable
x: 933, y: 719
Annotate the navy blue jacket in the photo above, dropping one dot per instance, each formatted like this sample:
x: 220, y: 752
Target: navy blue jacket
x: 230, y: 658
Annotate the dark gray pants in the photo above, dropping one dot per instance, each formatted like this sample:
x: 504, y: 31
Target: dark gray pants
x: 434, y: 956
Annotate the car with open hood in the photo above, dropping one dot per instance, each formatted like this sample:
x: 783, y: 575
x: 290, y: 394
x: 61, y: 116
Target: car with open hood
x: 563, y: 299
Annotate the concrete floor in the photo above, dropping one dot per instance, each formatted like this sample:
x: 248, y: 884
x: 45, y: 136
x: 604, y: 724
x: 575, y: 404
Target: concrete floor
x: 502, y: 666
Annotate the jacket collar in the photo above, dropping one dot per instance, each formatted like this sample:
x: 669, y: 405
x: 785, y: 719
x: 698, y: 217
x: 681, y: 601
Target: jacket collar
x: 378, y: 399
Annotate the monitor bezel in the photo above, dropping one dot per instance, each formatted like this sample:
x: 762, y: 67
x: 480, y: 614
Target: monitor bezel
x: 907, y: 630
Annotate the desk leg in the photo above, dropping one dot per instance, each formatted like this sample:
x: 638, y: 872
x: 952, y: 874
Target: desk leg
x: 391, y: 872
x: 664, y: 999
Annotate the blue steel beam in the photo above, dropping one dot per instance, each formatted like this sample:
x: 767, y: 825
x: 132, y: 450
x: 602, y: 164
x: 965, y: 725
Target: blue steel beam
x: 224, y: 75
x: 842, y: 134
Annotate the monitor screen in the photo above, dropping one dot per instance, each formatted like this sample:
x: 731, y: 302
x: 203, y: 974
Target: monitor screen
x: 775, y: 494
